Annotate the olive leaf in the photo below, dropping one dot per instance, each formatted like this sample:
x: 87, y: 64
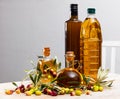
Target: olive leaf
x: 35, y: 79
x: 54, y: 62
x: 102, y: 74
x: 39, y: 76
x: 43, y: 86
x: 59, y: 65
x: 32, y: 79
x: 86, y: 79
x: 110, y: 84
x: 101, y: 78
x: 14, y: 84
x: 106, y: 83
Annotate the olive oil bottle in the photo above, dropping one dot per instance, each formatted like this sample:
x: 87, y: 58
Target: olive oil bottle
x: 69, y: 76
x: 72, y: 32
x: 48, y: 66
x: 90, y: 44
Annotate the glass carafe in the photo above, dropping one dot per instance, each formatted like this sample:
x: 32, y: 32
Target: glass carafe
x: 69, y: 77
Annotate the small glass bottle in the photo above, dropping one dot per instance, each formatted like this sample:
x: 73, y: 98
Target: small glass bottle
x: 48, y: 66
x: 69, y: 77
x: 44, y: 59
x: 72, y: 32
x: 90, y: 44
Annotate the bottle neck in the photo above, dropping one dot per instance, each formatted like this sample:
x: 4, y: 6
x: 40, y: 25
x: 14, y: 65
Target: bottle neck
x: 70, y: 59
x: 74, y: 17
x: 74, y: 14
x: 46, y: 52
x: 91, y: 15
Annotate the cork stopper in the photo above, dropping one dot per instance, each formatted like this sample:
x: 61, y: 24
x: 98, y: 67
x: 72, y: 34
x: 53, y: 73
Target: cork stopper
x: 70, y: 56
x: 46, y: 51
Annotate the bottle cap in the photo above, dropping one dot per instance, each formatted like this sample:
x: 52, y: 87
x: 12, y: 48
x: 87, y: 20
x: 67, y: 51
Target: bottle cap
x: 74, y: 9
x: 74, y: 6
x: 91, y: 10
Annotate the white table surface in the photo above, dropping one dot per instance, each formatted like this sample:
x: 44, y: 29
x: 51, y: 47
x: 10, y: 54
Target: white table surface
x: 112, y: 93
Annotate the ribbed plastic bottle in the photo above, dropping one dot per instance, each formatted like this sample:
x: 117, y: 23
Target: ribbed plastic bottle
x: 90, y: 44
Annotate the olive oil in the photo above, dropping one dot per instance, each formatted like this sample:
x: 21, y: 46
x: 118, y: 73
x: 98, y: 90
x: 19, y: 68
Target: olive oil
x: 90, y: 44
x: 72, y: 32
x: 48, y: 66
x: 69, y: 77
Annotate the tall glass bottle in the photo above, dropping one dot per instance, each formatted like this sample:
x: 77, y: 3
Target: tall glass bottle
x: 90, y: 44
x: 72, y: 32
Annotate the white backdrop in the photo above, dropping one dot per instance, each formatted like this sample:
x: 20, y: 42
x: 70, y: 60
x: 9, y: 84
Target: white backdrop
x: 26, y: 26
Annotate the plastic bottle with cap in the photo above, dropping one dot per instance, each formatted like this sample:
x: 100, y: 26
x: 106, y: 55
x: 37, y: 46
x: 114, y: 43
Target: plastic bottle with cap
x: 90, y: 44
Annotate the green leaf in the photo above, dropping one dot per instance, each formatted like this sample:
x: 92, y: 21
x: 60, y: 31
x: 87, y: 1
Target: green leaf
x: 35, y: 79
x: 59, y: 65
x: 110, y: 85
x: 39, y: 76
x: 43, y: 86
x: 54, y: 62
x: 86, y: 79
x: 14, y: 84
x: 32, y: 79
x: 53, y: 80
x: 107, y: 83
x: 102, y: 74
